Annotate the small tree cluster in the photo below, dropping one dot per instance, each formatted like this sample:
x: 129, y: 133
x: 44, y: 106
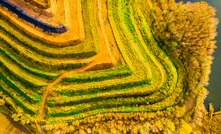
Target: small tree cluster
x: 189, y: 30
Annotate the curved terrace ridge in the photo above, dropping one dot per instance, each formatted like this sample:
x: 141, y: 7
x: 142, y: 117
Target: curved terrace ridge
x: 21, y: 14
x: 132, y: 66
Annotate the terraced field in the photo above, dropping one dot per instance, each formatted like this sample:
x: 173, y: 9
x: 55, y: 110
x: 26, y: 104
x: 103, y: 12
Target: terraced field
x: 120, y: 69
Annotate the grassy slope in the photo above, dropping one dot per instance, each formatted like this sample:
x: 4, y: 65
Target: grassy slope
x: 151, y: 74
x: 104, y: 104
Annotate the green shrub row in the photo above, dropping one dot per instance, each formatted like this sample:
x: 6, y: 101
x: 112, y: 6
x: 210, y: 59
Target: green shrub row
x: 181, y: 71
x: 38, y: 60
x: 118, y: 90
x: 17, y: 72
x: 19, y: 100
x: 121, y: 71
x: 63, y: 88
x: 5, y: 49
x: 166, y: 62
x: 107, y: 102
x: 19, y: 89
x: 87, y: 48
x: 79, y: 78
x: 73, y: 107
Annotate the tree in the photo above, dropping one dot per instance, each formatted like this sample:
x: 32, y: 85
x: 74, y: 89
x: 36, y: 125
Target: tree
x: 2, y: 102
x: 185, y: 128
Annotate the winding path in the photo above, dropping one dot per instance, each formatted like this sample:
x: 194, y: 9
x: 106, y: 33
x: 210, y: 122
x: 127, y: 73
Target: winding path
x: 102, y: 57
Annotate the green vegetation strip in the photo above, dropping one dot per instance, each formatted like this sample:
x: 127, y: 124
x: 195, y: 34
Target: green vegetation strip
x: 63, y: 88
x: 120, y: 71
x: 10, y: 102
x: 19, y: 100
x: 182, y: 77
x: 74, y: 111
x: 11, y: 55
x: 104, y: 83
x: 88, y: 48
x: 98, y: 86
x: 7, y: 82
x: 80, y: 78
x: 35, y: 58
x: 137, y: 98
x: 20, y: 73
x: 151, y: 80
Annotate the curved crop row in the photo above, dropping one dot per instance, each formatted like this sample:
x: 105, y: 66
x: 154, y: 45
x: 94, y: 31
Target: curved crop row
x: 87, y: 48
x: 17, y: 87
x: 106, y: 103
x: 21, y: 61
x: 73, y: 23
x: 38, y: 60
x: 21, y: 46
x: 140, y: 79
x: 34, y: 21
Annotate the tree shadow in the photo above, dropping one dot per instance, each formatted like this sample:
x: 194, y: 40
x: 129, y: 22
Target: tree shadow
x: 16, y: 125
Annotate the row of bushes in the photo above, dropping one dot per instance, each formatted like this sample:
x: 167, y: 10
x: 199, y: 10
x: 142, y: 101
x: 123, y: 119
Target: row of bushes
x: 182, y: 24
x: 18, y: 73
x: 71, y: 107
x: 156, y: 92
x: 83, y: 104
x: 121, y: 71
x: 136, y: 73
x: 6, y: 50
x: 172, y: 69
x: 18, y: 88
x: 106, y: 92
x: 38, y: 60
x: 87, y: 48
x: 167, y: 105
x: 19, y: 100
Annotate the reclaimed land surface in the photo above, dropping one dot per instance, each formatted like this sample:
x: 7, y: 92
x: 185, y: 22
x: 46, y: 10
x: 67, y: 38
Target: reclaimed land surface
x: 139, y: 66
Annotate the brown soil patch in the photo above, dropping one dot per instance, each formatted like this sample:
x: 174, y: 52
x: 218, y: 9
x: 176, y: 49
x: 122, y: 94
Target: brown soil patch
x: 189, y: 105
